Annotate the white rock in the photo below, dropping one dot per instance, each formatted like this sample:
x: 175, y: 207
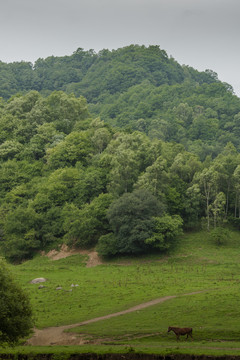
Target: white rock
x: 38, y: 280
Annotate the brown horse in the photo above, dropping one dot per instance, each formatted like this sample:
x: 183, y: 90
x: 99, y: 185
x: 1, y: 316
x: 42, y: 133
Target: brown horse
x: 180, y: 331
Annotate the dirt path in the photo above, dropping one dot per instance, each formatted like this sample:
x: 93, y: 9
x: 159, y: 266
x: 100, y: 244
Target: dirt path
x: 57, y: 336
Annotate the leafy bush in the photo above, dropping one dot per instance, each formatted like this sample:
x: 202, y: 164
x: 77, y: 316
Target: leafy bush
x: 220, y: 235
x: 107, y: 245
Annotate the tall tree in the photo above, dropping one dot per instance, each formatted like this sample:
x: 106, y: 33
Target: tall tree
x: 236, y: 179
x: 207, y: 180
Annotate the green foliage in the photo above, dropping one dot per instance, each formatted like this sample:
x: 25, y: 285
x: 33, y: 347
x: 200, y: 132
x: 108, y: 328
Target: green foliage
x: 166, y: 230
x: 90, y: 73
x: 76, y: 147
x: 61, y: 168
x: 20, y: 235
x: 220, y: 235
x: 14, y: 173
x: 9, y: 149
x: 127, y: 155
x: 135, y: 86
x: 107, y: 245
x: 155, y: 178
x: 185, y: 113
x: 15, y: 310
x: 85, y: 226
x: 131, y: 220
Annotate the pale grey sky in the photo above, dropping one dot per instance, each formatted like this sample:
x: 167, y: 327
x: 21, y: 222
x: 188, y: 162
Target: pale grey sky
x: 199, y: 33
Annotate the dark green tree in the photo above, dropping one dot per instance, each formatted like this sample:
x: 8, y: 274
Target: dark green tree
x: 131, y: 220
x: 15, y: 311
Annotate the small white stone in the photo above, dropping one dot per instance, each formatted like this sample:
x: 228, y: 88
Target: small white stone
x: 38, y: 280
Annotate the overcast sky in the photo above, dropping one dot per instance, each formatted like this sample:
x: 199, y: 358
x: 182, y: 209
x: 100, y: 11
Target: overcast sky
x: 203, y: 34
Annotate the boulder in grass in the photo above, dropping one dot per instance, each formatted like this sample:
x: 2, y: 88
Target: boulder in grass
x: 38, y: 280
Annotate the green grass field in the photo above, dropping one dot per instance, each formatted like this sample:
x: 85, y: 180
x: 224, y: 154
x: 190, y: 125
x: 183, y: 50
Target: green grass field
x: 195, y: 265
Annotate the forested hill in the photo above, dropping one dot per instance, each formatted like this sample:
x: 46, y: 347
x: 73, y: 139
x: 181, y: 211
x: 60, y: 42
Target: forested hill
x: 139, y: 88
x: 97, y: 75
x: 153, y: 149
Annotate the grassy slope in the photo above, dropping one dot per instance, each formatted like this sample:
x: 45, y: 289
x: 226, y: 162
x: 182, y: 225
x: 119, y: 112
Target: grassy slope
x: 196, y: 264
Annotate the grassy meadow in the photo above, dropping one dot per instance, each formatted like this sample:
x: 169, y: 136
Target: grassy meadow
x: 196, y: 265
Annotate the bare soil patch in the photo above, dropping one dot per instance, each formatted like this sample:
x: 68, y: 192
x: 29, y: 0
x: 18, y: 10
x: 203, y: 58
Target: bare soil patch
x: 93, y: 258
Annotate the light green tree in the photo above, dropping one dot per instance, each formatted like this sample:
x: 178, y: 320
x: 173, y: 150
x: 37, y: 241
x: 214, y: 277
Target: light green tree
x: 192, y: 205
x: 225, y: 164
x: 208, y: 181
x: 76, y: 147
x: 166, y: 230
x: 128, y: 156
x: 155, y: 178
x: 83, y: 227
x: 236, y: 179
x: 217, y: 208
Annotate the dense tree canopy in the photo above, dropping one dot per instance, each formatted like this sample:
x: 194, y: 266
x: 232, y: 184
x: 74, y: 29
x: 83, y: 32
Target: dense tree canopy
x: 133, y: 87
x: 130, y: 218
x: 152, y: 126
x: 138, y: 224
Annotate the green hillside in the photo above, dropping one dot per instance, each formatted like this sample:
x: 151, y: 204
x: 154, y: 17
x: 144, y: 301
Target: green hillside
x: 96, y: 75
x: 202, y: 117
x: 122, y: 150
x: 138, y: 88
